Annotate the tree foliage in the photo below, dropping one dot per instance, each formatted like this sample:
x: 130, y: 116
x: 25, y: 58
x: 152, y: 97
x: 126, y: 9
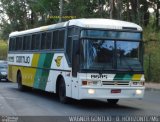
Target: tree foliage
x: 24, y: 14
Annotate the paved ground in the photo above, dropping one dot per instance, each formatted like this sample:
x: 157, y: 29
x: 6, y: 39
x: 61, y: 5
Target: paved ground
x: 36, y: 103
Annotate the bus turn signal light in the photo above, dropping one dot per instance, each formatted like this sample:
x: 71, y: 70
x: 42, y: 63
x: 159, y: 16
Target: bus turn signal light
x: 84, y: 83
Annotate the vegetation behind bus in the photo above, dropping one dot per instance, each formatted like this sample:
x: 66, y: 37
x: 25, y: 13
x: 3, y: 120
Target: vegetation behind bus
x: 152, y: 53
x: 3, y: 50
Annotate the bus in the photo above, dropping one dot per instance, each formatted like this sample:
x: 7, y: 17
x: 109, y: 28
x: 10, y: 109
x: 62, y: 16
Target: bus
x: 80, y: 59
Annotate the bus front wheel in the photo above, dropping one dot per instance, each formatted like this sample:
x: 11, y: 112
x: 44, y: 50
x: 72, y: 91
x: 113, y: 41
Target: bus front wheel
x: 112, y: 101
x: 62, y: 91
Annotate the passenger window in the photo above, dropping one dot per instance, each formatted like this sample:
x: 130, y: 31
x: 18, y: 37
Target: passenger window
x: 35, y: 42
x: 61, y: 39
x: 58, y: 39
x: 43, y: 41
x: 55, y: 40
x: 48, y: 40
x: 19, y: 43
x: 26, y: 42
x: 12, y: 44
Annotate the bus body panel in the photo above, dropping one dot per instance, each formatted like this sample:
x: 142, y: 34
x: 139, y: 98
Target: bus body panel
x: 40, y: 70
x: 105, y: 93
x: 108, y: 82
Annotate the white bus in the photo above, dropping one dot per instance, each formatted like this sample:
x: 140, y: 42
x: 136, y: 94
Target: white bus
x: 80, y: 59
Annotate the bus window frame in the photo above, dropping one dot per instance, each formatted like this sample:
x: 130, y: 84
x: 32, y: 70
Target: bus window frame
x: 20, y: 39
x: 11, y: 48
x: 30, y: 36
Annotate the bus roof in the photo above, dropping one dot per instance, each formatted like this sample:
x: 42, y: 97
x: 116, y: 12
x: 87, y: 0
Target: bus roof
x: 86, y: 23
x: 104, y: 23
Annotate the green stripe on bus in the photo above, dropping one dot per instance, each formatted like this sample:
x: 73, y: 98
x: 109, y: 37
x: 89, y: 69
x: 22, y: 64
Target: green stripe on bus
x: 45, y: 73
x: 119, y: 77
x: 38, y: 75
x: 125, y: 77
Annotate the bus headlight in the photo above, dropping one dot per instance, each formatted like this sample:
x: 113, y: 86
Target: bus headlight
x: 91, y: 91
x: 138, y: 92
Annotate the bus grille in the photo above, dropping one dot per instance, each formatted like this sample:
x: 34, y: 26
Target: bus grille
x: 122, y: 83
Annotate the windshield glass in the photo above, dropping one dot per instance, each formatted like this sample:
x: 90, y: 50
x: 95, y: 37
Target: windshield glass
x: 102, y: 55
x: 97, y: 54
x: 128, y: 55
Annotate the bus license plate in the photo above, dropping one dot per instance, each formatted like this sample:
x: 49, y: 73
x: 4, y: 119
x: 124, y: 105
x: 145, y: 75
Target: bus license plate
x: 115, y: 90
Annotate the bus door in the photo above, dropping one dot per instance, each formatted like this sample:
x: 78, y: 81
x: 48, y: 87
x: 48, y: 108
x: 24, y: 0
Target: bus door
x: 75, y: 66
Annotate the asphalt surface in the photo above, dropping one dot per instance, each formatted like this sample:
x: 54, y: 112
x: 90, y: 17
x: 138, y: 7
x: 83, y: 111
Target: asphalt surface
x: 37, y: 103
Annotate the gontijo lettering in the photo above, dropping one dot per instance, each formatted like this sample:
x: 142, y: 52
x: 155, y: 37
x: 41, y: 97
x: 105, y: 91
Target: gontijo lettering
x: 23, y: 59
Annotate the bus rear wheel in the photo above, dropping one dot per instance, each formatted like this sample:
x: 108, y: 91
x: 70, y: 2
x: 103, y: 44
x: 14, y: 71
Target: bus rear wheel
x: 19, y: 81
x: 112, y: 101
x: 62, y: 91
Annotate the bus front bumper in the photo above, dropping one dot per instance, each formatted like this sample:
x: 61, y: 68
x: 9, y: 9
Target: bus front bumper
x: 86, y: 92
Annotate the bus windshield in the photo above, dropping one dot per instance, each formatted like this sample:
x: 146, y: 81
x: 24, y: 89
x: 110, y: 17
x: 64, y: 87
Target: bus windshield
x: 109, y: 54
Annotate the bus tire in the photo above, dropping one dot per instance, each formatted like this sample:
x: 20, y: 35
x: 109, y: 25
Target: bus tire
x: 112, y: 101
x: 62, y: 91
x: 19, y: 81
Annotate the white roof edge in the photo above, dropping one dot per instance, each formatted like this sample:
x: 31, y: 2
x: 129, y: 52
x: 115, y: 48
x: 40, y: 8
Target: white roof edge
x: 88, y: 23
x: 42, y: 28
x: 103, y: 23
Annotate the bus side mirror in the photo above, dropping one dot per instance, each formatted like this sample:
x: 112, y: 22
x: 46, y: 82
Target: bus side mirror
x: 75, y: 58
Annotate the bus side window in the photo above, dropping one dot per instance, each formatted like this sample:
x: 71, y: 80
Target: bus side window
x: 12, y: 43
x: 61, y: 39
x: 19, y: 43
x: 48, y: 40
x: 26, y: 42
x: 43, y: 41
x: 55, y: 39
x: 17, y: 40
x: 35, y: 42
